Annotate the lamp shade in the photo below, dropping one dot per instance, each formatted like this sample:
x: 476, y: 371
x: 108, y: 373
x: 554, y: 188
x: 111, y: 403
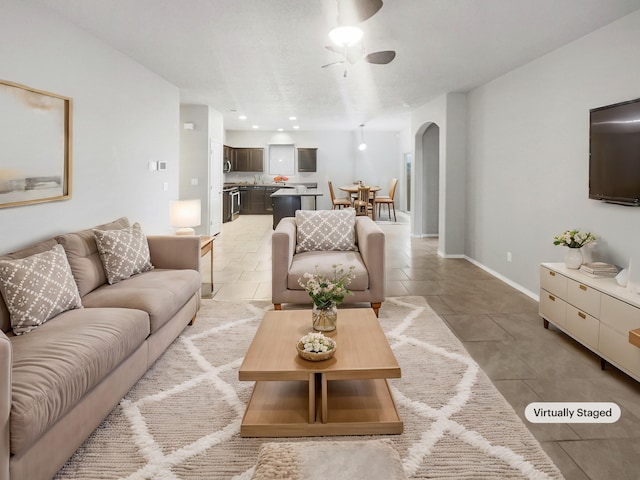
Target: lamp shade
x: 184, y: 215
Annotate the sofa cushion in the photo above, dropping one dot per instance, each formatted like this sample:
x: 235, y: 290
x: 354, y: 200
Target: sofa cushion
x: 123, y: 252
x: 323, y: 230
x: 83, y: 255
x: 37, y: 288
x: 5, y: 321
x: 160, y: 293
x: 306, y: 263
x: 56, y: 364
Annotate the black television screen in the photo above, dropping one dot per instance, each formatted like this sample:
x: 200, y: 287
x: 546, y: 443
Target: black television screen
x: 614, y: 153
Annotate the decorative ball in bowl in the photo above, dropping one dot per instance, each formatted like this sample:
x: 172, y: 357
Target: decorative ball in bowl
x: 316, y: 347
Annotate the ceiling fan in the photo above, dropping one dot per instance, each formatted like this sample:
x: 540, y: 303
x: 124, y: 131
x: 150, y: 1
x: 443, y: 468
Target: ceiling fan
x: 351, y: 12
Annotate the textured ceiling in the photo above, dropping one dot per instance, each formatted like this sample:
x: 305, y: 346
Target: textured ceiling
x: 262, y: 58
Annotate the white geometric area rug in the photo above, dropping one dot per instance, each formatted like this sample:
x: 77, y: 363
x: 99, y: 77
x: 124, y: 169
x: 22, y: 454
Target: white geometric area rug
x: 182, y: 419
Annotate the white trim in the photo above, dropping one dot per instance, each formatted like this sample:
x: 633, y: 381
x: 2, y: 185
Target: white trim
x: 509, y: 282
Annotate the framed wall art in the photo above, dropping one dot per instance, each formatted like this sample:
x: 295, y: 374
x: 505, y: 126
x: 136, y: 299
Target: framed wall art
x: 35, y: 145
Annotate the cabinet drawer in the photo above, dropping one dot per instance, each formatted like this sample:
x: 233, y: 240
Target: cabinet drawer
x: 616, y: 346
x: 618, y: 315
x: 583, y: 297
x: 553, y: 282
x: 583, y: 326
x: 553, y: 308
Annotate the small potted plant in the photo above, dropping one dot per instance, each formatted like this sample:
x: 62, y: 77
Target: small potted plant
x: 575, y: 240
x: 327, y: 291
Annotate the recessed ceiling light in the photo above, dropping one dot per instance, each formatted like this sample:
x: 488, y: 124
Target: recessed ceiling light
x: 242, y: 117
x: 255, y: 126
x: 296, y: 127
x: 281, y: 129
x: 292, y: 118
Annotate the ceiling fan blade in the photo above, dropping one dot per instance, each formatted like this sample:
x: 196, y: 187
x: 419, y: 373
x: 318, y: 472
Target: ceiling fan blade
x: 332, y: 63
x: 351, y: 12
x: 335, y: 49
x: 380, y: 58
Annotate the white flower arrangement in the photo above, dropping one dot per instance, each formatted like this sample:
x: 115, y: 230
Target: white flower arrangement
x: 327, y: 289
x: 574, y: 239
x: 315, y: 342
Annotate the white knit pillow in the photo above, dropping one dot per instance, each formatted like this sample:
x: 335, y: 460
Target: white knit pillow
x: 325, y: 230
x: 123, y: 252
x: 37, y: 288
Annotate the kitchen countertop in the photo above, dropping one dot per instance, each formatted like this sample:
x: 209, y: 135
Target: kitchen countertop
x: 269, y: 185
x: 248, y: 184
x: 291, y: 192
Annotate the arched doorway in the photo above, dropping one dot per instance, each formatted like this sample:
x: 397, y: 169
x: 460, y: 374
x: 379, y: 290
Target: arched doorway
x: 426, y: 198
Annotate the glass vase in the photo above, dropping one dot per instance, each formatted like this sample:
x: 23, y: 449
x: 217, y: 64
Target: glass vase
x: 324, y: 318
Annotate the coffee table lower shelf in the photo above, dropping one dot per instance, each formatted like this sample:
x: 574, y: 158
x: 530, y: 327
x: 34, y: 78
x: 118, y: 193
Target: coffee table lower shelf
x: 295, y: 409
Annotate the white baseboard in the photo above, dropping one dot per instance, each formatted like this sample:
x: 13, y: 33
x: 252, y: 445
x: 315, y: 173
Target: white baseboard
x: 509, y: 282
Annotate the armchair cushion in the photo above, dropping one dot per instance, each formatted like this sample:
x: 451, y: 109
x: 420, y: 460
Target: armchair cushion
x: 307, y: 262
x: 325, y: 230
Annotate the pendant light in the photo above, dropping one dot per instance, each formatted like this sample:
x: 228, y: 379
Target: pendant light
x: 362, y: 146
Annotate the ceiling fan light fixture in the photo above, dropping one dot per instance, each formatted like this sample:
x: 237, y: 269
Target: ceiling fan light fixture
x: 345, y: 36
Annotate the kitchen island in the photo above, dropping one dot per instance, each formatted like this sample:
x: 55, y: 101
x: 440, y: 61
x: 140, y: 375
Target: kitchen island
x: 287, y: 200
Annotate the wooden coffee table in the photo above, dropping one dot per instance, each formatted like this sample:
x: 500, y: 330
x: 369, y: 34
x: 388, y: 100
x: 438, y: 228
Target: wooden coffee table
x: 345, y: 395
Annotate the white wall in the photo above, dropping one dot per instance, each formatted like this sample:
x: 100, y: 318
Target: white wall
x: 124, y: 116
x: 448, y: 112
x: 196, y: 161
x: 338, y: 161
x: 528, y: 148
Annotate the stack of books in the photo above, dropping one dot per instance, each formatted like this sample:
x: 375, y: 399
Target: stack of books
x: 599, y: 269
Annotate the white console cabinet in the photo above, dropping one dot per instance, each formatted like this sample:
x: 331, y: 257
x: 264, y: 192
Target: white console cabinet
x: 596, y: 312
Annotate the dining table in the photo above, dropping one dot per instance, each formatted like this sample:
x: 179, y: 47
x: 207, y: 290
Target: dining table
x: 352, y: 190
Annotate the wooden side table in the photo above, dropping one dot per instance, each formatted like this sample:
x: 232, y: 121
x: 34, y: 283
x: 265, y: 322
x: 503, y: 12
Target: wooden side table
x: 206, y: 246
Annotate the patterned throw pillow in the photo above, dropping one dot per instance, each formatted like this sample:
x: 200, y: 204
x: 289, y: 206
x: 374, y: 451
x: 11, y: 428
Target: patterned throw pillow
x: 123, y: 252
x: 37, y: 288
x: 325, y: 230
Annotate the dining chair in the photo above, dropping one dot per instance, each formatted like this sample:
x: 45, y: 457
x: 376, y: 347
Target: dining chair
x: 363, y: 204
x: 388, y: 200
x: 337, y: 202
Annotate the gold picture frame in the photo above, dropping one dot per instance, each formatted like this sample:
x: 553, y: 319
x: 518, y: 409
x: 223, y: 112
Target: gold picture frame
x: 35, y: 145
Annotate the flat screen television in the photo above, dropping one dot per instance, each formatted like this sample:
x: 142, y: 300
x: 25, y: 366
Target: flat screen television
x: 614, y: 153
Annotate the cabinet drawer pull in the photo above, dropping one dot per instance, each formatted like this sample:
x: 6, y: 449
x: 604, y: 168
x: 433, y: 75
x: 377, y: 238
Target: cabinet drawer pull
x: 582, y: 315
x: 552, y: 298
x: 583, y: 287
x: 553, y: 274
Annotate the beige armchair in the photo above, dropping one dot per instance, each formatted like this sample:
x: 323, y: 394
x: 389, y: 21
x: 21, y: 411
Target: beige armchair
x: 289, y: 263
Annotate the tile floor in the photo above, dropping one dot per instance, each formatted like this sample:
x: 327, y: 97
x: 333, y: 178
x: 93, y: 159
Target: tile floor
x: 498, y: 325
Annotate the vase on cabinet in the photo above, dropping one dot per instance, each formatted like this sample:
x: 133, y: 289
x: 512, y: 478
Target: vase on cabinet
x: 573, y: 258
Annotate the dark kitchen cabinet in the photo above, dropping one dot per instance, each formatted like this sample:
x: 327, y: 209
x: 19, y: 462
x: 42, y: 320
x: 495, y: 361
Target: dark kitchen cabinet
x: 256, y: 200
x: 245, y: 200
x: 227, y: 153
x: 268, y: 201
x: 307, y: 159
x: 248, y: 159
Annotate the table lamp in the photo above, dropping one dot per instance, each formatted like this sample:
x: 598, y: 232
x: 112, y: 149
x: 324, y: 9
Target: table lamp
x: 184, y: 215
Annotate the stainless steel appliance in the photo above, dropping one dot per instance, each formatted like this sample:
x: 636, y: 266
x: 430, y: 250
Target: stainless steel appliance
x: 226, y: 166
x: 230, y: 203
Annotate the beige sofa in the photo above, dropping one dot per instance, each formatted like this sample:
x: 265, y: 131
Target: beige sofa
x: 60, y: 380
x: 289, y: 264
